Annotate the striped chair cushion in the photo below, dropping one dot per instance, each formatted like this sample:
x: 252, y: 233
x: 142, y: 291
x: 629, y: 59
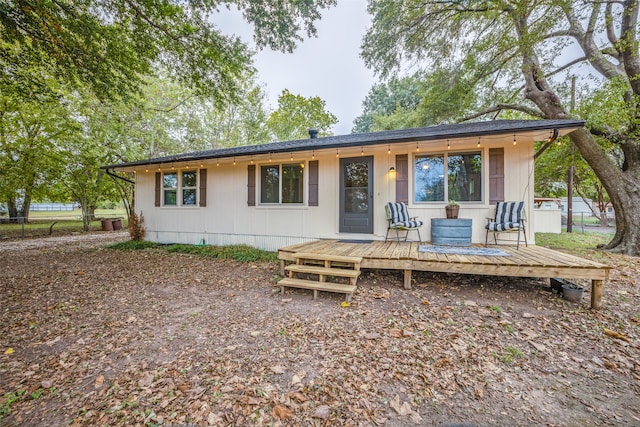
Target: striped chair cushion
x: 398, y: 212
x: 508, y: 217
x: 407, y: 224
x: 502, y: 226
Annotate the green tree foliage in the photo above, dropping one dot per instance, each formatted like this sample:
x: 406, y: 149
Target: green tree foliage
x: 296, y: 115
x: 30, y: 161
x: 110, y: 46
x: 516, y: 56
x: 385, y: 99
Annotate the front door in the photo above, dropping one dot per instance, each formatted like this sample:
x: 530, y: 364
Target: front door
x: 356, y: 195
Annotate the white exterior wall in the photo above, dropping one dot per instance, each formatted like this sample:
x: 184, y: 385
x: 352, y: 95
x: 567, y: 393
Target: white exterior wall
x: 227, y: 219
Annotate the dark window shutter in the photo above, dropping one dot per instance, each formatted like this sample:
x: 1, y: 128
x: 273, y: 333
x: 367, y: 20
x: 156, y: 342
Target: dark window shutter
x: 158, y: 187
x: 313, y: 183
x: 203, y: 188
x: 251, y: 185
x: 496, y: 175
x: 402, y: 178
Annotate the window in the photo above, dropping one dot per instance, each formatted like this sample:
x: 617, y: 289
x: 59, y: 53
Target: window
x: 189, y: 187
x: 170, y: 184
x: 282, y: 183
x: 180, y: 184
x: 442, y: 177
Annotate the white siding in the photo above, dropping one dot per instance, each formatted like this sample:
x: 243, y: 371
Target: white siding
x: 228, y: 220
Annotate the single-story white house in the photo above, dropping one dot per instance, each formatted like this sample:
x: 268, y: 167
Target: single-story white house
x: 283, y: 193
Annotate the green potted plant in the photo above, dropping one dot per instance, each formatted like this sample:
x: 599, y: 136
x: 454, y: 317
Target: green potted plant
x: 452, y: 209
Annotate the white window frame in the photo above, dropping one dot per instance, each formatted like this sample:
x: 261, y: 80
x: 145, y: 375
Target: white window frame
x: 179, y: 189
x: 280, y: 167
x: 445, y: 155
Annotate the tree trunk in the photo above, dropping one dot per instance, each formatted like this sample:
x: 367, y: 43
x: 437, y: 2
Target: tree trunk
x: 623, y: 188
x: 88, y: 213
x: 622, y: 185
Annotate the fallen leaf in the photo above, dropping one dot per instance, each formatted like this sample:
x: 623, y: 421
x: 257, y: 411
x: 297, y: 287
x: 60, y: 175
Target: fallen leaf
x: 401, y: 409
x: 9, y: 351
x: 395, y: 333
x: 80, y: 273
x: 278, y: 369
x: 99, y: 381
x: 282, y: 412
x: 345, y: 304
x: 616, y: 335
x: 322, y: 412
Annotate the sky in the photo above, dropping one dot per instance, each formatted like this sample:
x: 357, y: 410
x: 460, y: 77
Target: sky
x: 328, y: 66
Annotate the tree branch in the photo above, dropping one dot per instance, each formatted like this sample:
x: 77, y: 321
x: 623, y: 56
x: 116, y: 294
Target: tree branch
x: 500, y: 107
x: 608, y: 18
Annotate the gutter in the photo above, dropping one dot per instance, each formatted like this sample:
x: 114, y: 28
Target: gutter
x: 111, y: 174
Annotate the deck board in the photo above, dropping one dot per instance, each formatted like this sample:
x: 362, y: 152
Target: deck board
x: 531, y: 261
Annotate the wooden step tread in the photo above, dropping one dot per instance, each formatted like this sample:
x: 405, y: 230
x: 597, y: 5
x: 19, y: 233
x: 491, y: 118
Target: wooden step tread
x: 327, y: 271
x: 319, y: 286
x: 328, y: 257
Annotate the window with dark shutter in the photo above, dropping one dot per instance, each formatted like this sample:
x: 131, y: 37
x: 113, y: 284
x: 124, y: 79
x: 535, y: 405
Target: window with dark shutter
x: 496, y: 175
x: 313, y: 183
x: 158, y: 188
x: 402, y: 178
x: 251, y: 185
x: 203, y: 188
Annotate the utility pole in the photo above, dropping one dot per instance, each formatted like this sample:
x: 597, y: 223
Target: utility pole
x: 570, y: 199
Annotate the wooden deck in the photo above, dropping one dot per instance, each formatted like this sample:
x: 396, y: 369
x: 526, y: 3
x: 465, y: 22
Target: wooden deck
x: 532, y: 261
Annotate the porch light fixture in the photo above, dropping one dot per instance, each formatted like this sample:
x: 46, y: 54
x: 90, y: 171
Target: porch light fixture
x: 417, y: 147
x: 313, y: 154
x: 269, y: 157
x: 388, y: 149
x: 172, y: 167
x: 514, y: 139
x: 218, y: 162
x: 234, y: 161
x: 361, y: 151
x: 291, y: 154
x: 251, y: 159
x: 201, y: 164
x: 187, y: 167
x: 146, y: 169
x: 158, y: 168
x: 337, y: 153
x: 448, y: 145
x: 478, y: 142
x: 135, y: 171
x: 392, y: 170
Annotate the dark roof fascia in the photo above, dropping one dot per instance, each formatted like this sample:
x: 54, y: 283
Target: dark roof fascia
x: 439, y: 132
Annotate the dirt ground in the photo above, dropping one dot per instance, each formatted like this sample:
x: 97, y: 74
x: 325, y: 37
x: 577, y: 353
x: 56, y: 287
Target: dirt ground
x: 91, y: 336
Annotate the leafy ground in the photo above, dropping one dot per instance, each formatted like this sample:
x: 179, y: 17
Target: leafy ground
x: 92, y: 336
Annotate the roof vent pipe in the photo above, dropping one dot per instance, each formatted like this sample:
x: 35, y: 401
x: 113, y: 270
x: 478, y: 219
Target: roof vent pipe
x: 313, y: 133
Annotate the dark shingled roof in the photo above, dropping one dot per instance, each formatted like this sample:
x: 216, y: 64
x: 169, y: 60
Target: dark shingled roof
x: 495, y: 127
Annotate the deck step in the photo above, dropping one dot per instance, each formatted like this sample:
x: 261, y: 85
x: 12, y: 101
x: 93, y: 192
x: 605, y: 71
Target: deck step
x: 328, y: 257
x: 325, y: 271
x: 316, y: 286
